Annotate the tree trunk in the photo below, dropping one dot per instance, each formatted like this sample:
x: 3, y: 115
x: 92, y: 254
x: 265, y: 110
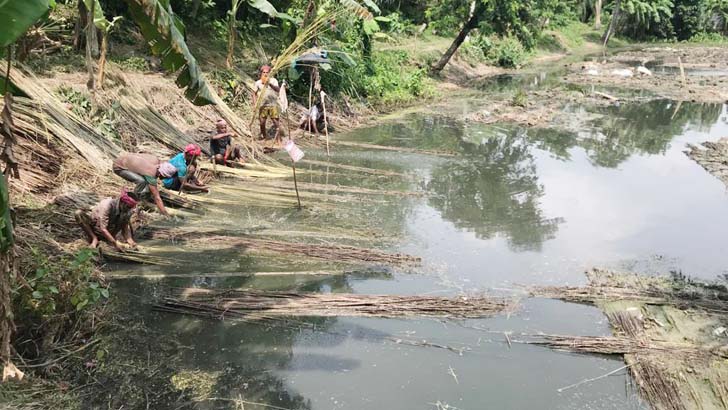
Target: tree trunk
x: 195, y: 7
x: 79, y: 30
x: 6, y: 314
x: 7, y: 267
x: 231, y: 42
x: 102, y: 59
x: 598, y: 15
x: 612, y: 23
x: 90, y: 40
x: 469, y: 25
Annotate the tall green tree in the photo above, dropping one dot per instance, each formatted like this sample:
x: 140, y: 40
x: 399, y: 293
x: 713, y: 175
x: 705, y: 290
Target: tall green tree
x: 502, y: 18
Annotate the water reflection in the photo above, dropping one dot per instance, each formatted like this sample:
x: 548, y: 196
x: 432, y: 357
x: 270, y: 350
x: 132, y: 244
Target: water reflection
x: 610, y: 135
x: 494, y: 191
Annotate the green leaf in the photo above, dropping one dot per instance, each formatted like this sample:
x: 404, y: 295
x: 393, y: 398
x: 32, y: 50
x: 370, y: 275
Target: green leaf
x: 356, y: 8
x: 372, y: 5
x: 371, y: 27
x: 16, y: 16
x: 37, y: 294
x: 105, y: 293
x: 81, y: 304
x: 164, y: 32
x: 53, y: 290
x: 6, y: 223
x: 344, y: 57
x: 269, y: 9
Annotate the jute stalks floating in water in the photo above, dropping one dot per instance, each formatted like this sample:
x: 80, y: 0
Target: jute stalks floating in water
x: 336, y: 253
x: 372, y: 171
x: 178, y: 201
x: 675, y: 366
x: 134, y: 257
x: 352, y: 144
x: 337, y: 188
x: 252, y: 304
x: 606, y: 286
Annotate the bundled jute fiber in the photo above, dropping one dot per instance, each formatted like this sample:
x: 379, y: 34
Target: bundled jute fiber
x: 331, y: 252
x: 608, y: 286
x: 43, y: 115
x: 251, y: 304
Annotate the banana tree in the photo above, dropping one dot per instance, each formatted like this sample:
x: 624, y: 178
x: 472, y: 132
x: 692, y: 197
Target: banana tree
x: 15, y: 18
x: 232, y: 15
x: 105, y: 27
x: 164, y: 32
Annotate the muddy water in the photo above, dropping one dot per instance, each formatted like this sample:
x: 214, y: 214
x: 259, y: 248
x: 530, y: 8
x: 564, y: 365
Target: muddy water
x: 610, y: 187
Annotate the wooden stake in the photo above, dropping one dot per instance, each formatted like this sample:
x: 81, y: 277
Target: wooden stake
x: 682, y: 70
x: 295, y: 183
x: 326, y: 123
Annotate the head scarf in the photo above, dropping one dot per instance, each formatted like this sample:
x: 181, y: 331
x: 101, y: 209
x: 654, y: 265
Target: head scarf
x: 193, y: 150
x: 167, y: 170
x: 265, y: 67
x: 128, y: 200
x: 221, y: 122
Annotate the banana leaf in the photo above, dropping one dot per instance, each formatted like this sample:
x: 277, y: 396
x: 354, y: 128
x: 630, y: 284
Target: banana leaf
x: 164, y: 32
x: 16, y: 16
x: 6, y: 223
x: 267, y: 8
x: 100, y: 20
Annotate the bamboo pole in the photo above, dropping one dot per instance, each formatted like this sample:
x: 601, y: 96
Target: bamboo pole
x: 326, y: 122
x: 295, y: 183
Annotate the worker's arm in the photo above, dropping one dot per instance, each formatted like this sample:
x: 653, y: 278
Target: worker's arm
x: 158, y: 200
x: 107, y: 235
x: 222, y: 135
x: 128, y: 237
x: 194, y: 187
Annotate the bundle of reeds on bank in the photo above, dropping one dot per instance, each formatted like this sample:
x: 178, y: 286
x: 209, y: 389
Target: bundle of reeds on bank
x: 254, y: 304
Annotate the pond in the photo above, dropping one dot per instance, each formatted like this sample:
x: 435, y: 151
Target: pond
x: 606, y: 187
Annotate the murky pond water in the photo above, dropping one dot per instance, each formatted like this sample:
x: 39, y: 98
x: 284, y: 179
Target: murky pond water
x: 610, y: 188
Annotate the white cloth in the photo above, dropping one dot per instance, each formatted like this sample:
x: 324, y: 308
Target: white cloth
x: 283, y: 98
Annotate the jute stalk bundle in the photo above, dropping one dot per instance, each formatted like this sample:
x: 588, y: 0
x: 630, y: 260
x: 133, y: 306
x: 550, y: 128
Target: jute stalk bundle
x: 250, y: 304
x: 331, y: 252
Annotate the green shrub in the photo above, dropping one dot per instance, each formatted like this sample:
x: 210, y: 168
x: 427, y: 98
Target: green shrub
x: 60, y: 287
x: 520, y: 99
x: 501, y: 51
x: 77, y: 101
x: 392, y: 80
x: 507, y: 52
x: 132, y: 63
x: 710, y: 38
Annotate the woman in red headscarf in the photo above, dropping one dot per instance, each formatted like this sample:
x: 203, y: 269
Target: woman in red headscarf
x: 109, y: 218
x: 186, y: 164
